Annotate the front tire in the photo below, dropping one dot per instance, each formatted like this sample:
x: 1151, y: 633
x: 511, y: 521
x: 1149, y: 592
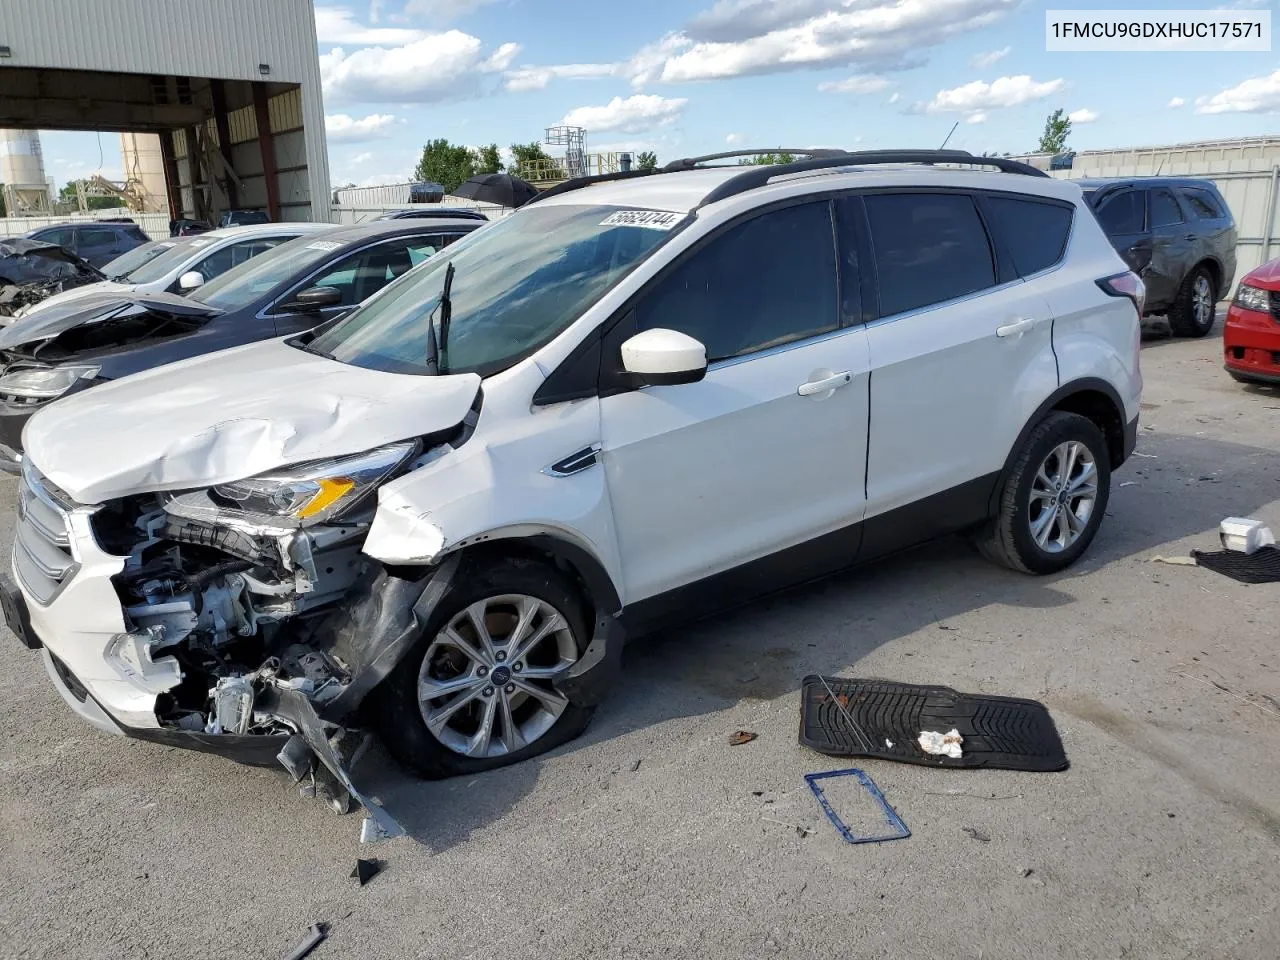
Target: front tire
x: 1053, y: 498
x: 474, y: 693
x: 1193, y: 309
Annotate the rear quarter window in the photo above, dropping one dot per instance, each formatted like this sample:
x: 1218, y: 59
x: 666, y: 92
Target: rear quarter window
x: 1203, y: 204
x: 1033, y: 232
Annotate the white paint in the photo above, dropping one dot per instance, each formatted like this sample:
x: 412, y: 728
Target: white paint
x: 230, y: 415
x: 212, y: 242
x: 661, y: 351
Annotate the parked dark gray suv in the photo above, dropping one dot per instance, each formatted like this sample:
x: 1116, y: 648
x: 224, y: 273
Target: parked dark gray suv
x: 98, y: 242
x: 1178, y: 235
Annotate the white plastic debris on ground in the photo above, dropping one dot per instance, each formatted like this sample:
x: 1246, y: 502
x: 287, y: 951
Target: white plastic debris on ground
x: 942, y: 744
x: 1244, y: 534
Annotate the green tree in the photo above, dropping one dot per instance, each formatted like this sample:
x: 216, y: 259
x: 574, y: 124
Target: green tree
x: 529, y: 153
x: 646, y: 160
x: 68, y: 192
x: 1057, y: 127
x: 445, y: 163
x: 762, y: 159
x: 488, y: 159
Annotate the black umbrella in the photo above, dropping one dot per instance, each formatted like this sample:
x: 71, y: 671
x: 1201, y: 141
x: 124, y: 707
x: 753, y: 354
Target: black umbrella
x: 500, y: 188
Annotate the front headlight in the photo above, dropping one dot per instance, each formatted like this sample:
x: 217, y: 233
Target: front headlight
x: 45, y: 383
x: 1253, y: 298
x: 296, y: 496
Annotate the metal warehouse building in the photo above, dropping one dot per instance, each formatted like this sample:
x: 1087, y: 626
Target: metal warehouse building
x: 231, y: 86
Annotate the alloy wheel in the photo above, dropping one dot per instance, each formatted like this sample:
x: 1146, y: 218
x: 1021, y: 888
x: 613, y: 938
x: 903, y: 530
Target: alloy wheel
x: 484, y: 688
x: 1064, y: 493
x: 1202, y: 300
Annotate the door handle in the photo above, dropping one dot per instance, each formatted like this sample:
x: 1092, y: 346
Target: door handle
x: 809, y: 388
x: 1016, y: 329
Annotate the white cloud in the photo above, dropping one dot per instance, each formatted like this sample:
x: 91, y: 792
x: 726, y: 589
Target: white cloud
x: 1256, y: 95
x: 990, y: 58
x: 375, y: 9
x: 731, y: 20
x: 768, y: 36
x: 978, y: 117
x: 895, y: 98
x: 383, y: 179
x: 734, y: 139
x: 537, y: 78
x: 1083, y: 115
x: 858, y: 83
x: 1177, y: 102
x: 336, y: 25
x: 442, y: 11
x: 436, y: 68
x: 635, y: 114
x: 362, y: 158
x: 1002, y: 92
x: 340, y: 128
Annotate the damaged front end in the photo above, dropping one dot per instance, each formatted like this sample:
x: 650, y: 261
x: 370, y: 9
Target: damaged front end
x: 39, y: 270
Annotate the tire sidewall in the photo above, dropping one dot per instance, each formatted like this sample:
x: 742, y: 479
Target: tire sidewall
x: 1065, y: 428
x: 395, y: 703
x: 1187, y: 305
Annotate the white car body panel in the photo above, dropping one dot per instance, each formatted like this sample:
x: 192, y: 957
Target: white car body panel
x: 709, y: 475
x: 202, y: 245
x: 229, y: 415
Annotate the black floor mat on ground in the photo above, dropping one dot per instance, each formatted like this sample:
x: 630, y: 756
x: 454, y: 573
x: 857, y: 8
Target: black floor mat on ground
x: 1261, y: 566
x: 1004, y: 733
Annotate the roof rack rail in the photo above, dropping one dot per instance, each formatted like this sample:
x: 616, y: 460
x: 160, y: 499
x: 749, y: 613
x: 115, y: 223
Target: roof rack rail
x: 753, y: 177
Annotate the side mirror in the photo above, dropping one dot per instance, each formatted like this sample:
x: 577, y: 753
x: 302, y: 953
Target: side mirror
x: 314, y: 299
x: 190, y: 280
x: 661, y: 357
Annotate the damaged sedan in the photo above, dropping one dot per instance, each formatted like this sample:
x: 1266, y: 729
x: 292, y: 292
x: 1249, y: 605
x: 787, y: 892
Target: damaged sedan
x: 31, y: 270
x: 66, y: 347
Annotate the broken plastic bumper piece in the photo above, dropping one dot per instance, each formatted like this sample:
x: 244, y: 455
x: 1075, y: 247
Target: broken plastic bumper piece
x: 130, y: 655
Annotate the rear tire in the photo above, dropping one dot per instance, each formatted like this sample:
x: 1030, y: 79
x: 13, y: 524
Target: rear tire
x: 1053, y: 499
x: 1192, y: 313
x: 497, y: 683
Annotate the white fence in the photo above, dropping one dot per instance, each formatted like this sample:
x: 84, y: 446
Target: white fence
x: 154, y: 225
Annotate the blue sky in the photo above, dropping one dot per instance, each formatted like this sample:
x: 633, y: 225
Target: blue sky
x: 684, y: 77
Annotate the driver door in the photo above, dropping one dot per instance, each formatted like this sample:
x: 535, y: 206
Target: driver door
x: 769, y: 450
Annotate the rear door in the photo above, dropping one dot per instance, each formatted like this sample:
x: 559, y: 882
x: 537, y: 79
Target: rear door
x: 1173, y: 246
x: 1123, y: 216
x: 961, y: 355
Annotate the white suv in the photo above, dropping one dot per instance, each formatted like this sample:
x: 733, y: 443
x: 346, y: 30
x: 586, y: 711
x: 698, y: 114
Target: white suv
x: 634, y: 400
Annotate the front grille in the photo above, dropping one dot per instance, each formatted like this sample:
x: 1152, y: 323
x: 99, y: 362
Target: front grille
x: 1275, y: 304
x: 42, y: 542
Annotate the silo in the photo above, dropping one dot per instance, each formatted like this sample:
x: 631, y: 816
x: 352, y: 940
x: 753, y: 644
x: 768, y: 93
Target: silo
x: 144, y: 170
x: 26, y: 190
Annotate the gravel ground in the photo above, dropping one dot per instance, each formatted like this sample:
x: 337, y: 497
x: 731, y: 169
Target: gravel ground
x: 652, y: 835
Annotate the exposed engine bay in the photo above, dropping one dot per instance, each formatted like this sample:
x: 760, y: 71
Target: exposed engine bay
x: 38, y: 271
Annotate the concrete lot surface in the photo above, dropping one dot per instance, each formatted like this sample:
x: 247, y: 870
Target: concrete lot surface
x: 652, y: 836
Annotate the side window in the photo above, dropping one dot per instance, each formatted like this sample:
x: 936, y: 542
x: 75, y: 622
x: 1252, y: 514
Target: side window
x: 94, y: 237
x: 764, y: 282
x: 929, y: 248
x: 61, y: 236
x: 422, y: 247
x: 1033, y: 232
x: 1123, y: 213
x: 362, y: 274
x: 1164, y: 209
x: 220, y: 261
x: 1203, y: 204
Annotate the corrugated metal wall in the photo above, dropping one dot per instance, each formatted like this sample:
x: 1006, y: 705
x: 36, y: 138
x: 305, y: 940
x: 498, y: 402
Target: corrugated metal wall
x: 1245, y: 170
x: 200, y: 38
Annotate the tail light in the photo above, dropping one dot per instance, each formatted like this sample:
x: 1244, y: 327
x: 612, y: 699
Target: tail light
x: 1126, y: 284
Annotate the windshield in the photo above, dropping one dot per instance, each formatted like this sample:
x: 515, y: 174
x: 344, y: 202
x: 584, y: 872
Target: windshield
x: 241, y: 285
x: 517, y: 283
x: 158, y: 265
x: 126, y: 263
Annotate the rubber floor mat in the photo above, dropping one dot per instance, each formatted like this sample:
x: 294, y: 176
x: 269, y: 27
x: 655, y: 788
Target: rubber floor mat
x: 1261, y: 566
x: 883, y: 719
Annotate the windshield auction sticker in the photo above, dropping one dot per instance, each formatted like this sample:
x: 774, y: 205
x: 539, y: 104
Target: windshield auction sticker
x: 323, y: 245
x: 1231, y: 27
x: 649, y: 219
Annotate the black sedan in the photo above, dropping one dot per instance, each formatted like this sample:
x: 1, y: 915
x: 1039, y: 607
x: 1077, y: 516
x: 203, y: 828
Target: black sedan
x: 292, y: 288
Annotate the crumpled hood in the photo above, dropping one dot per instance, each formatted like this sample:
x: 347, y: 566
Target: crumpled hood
x: 98, y: 308
x: 230, y: 415
x: 94, y: 289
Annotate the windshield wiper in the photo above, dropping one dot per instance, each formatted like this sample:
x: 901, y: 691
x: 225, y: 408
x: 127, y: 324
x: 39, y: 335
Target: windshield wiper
x: 446, y: 314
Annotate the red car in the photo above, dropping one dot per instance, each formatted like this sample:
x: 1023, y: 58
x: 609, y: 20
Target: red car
x: 1251, y: 339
